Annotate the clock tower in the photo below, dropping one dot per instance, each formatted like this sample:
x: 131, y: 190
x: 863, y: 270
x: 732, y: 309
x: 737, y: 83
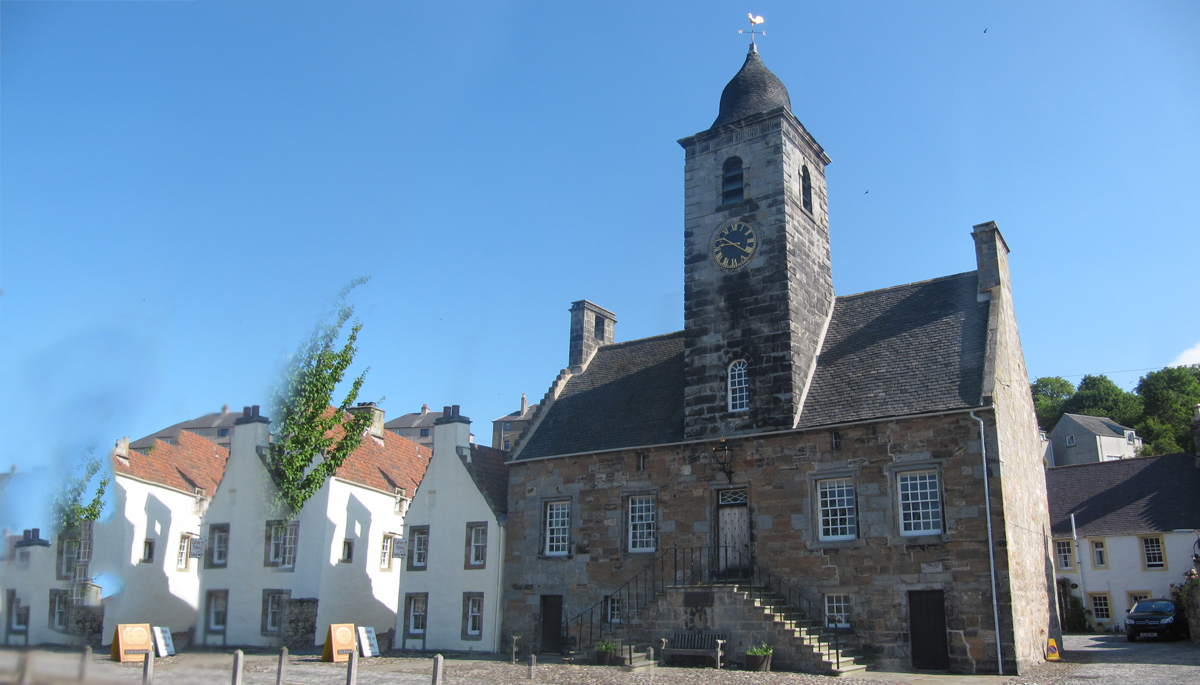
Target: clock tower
x: 758, y: 290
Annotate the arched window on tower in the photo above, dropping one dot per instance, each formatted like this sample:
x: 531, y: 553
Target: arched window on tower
x: 731, y: 181
x: 739, y: 386
x: 806, y: 189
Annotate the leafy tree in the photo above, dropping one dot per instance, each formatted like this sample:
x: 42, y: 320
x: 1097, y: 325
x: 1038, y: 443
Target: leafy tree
x: 67, y: 509
x: 1168, y: 397
x: 1099, y: 396
x: 1049, y: 393
x: 311, y: 439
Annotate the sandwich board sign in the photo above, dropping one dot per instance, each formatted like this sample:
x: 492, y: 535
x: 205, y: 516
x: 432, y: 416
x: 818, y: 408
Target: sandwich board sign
x: 368, y: 644
x: 163, y: 642
x: 339, y: 642
x: 131, y: 642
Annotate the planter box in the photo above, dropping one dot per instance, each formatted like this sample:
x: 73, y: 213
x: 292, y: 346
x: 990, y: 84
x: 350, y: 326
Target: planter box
x: 605, y: 658
x: 760, y: 662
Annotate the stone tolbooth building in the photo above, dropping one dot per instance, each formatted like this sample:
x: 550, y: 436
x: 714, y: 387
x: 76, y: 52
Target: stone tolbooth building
x: 848, y: 478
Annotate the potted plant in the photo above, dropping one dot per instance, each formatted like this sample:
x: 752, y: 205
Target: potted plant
x: 758, y: 658
x: 605, y: 651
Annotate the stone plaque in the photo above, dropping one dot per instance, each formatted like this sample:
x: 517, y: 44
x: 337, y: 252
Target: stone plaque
x: 697, y: 599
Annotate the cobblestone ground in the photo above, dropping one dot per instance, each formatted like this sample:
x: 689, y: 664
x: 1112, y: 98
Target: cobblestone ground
x: 1088, y: 660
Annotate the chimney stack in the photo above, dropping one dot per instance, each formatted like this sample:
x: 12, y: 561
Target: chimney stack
x: 991, y: 258
x: 424, y: 409
x: 592, y: 326
x: 524, y: 404
x: 376, y: 426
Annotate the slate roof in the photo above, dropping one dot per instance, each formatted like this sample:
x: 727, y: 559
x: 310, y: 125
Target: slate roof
x: 752, y: 90
x: 221, y: 419
x: 1100, y: 425
x: 386, y: 463
x: 1125, y: 496
x: 631, y: 394
x: 414, y: 420
x: 910, y: 349
x: 192, y: 462
x: 489, y: 470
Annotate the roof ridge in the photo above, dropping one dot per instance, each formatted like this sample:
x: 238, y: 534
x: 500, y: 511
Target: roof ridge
x: 638, y: 340
x: 1116, y: 461
x: 905, y: 285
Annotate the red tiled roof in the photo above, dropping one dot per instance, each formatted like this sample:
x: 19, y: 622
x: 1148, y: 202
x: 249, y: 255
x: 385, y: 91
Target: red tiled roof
x: 192, y: 463
x: 387, y: 464
x: 489, y: 469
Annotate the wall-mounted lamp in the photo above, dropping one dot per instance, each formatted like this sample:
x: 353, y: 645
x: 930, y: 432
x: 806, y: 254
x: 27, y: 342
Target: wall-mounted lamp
x: 723, y: 455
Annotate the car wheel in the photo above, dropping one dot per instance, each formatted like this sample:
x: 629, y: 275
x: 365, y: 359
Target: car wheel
x: 1131, y: 637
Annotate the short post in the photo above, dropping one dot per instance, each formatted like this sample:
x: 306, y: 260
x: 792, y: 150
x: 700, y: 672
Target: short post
x: 352, y: 668
x: 281, y: 674
x: 85, y: 664
x: 650, y: 654
x: 148, y: 668
x: 26, y: 668
x: 437, y: 669
x: 514, y: 649
x: 237, y: 667
x: 720, y: 649
x: 532, y: 665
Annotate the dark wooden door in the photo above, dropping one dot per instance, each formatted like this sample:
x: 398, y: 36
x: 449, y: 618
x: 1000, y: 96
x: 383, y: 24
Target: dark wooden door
x: 927, y: 630
x: 552, y: 641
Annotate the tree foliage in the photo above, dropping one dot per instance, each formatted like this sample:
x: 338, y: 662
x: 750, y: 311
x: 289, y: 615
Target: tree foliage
x: 67, y: 508
x: 310, y: 439
x: 1049, y: 393
x: 1099, y: 396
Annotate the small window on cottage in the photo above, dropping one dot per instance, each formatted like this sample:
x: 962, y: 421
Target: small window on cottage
x: 420, y: 548
x: 806, y: 189
x: 1064, y: 555
x: 1129, y: 437
x: 836, y: 501
x: 218, y: 606
x: 220, y: 552
x: 222, y: 432
x: 613, y: 606
x: 732, y: 189
x: 147, y: 551
x: 184, y: 553
x: 424, y: 432
x: 1071, y: 440
x: 476, y: 545
x: 508, y: 425
x: 836, y: 440
x: 416, y: 615
x: 642, y: 523
x: 739, y: 386
x: 1101, y: 609
x: 558, y: 529
x: 70, y: 556
x: 274, y: 611
x: 920, y: 503
x: 1152, y: 553
x: 474, y: 617
x: 62, y: 605
x: 347, y: 552
x: 837, y: 611
x: 1099, y: 554
x: 385, y: 552
x: 20, y: 618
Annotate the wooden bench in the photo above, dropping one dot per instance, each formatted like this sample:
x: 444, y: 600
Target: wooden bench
x: 695, y: 644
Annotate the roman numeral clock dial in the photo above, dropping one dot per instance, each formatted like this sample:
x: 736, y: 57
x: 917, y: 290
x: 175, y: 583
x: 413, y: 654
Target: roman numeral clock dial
x: 734, y: 244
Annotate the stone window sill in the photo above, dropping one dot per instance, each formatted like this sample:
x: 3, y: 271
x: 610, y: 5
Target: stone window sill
x: 837, y: 544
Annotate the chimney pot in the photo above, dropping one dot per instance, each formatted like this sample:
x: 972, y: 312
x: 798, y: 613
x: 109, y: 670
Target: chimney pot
x: 446, y: 411
x: 27, y: 534
x: 524, y: 404
x: 454, y: 409
x: 424, y: 409
x: 246, y: 412
x: 36, y: 534
x: 254, y: 410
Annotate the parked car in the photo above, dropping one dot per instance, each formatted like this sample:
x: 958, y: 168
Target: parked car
x: 1155, y: 618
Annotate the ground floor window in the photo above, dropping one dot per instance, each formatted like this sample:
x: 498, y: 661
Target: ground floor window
x: 1135, y: 597
x: 1101, y: 609
x: 416, y: 610
x: 613, y: 613
x: 274, y: 602
x: 837, y: 610
x: 218, y: 609
x: 472, y: 626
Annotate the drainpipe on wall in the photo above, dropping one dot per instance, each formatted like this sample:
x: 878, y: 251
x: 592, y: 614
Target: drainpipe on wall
x: 987, y: 499
x: 1079, y: 562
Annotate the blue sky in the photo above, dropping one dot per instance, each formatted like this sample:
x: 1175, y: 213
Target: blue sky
x: 186, y: 185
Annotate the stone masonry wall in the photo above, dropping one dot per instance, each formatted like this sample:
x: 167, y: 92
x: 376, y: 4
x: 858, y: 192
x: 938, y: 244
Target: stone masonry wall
x: 780, y: 473
x: 772, y: 311
x: 299, y: 629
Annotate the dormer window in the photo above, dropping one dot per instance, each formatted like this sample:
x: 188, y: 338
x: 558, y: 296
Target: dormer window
x: 806, y: 189
x: 1071, y: 440
x: 1130, y: 437
x: 731, y: 181
x: 739, y: 386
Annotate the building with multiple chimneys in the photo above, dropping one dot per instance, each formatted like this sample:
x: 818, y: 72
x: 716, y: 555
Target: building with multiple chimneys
x: 873, y: 459
x: 508, y: 429
x: 417, y: 426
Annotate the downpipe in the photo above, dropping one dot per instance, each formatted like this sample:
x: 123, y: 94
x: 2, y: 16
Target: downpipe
x: 987, y: 499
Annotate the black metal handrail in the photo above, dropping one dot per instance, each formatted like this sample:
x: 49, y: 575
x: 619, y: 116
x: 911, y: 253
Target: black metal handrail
x: 682, y: 566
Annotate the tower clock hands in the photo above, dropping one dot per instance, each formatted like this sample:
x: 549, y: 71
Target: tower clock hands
x: 732, y: 244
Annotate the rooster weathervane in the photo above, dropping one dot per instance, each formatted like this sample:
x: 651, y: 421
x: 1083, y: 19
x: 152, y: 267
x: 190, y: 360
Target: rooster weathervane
x: 754, y: 21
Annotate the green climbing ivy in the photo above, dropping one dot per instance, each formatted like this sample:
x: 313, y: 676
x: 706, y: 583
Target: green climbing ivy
x: 309, y: 440
x: 67, y: 508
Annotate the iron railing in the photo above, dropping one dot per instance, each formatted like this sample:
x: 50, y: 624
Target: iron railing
x: 682, y: 566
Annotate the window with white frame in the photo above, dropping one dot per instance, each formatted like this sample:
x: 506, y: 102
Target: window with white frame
x: 418, y: 549
x: 1071, y: 440
x: 20, y: 618
x: 1064, y: 554
x: 416, y: 614
x: 282, y: 543
x: 218, y: 607
x: 1099, y: 554
x: 837, y: 610
x: 642, y: 523
x: 220, y: 547
x: 1101, y: 610
x: 558, y: 529
x: 613, y: 606
x: 739, y: 386
x: 1152, y: 552
x: 70, y: 554
x: 273, y: 610
x: 474, y: 615
x: 478, y: 546
x: 62, y: 605
x: 836, y: 501
x: 385, y: 552
x: 183, y: 556
x: 920, y: 503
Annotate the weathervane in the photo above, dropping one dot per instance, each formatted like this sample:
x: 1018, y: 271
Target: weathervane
x: 754, y: 21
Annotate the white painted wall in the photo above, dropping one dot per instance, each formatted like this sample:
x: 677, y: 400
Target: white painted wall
x: 1125, y: 572
x: 32, y: 582
x: 446, y: 501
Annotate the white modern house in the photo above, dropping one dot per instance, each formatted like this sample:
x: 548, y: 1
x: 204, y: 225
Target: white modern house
x: 267, y: 580
x: 1081, y: 439
x: 1124, y: 530
x: 36, y: 605
x: 454, y: 567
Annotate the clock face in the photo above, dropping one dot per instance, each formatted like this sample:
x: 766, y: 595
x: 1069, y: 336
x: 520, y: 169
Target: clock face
x: 734, y: 244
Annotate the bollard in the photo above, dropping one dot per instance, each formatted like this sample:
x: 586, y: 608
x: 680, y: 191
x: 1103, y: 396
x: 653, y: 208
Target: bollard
x: 148, y: 669
x: 85, y: 664
x: 650, y: 655
x: 352, y: 668
x: 237, y: 667
x: 281, y: 674
x: 437, y: 669
x: 514, y: 649
x: 26, y: 668
x: 532, y: 664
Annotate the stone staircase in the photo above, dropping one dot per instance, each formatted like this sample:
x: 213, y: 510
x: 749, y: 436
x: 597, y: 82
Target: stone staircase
x: 814, y: 645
